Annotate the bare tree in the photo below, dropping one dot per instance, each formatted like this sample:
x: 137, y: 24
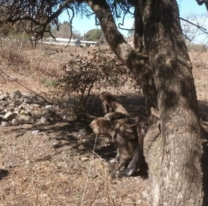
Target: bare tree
x: 161, y: 64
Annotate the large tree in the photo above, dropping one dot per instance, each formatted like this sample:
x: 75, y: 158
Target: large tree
x: 161, y: 64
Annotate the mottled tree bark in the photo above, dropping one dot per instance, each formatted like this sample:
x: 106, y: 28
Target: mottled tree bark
x: 174, y: 157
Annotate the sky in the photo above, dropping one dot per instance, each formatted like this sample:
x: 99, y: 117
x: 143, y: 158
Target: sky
x: 187, y: 8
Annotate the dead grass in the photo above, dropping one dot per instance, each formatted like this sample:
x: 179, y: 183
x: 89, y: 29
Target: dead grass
x: 200, y: 72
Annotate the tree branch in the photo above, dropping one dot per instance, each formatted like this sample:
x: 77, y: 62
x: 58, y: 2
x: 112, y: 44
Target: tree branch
x: 137, y: 62
x: 138, y: 34
x: 198, y: 26
x: 200, y: 2
x: 116, y: 40
x: 45, y: 12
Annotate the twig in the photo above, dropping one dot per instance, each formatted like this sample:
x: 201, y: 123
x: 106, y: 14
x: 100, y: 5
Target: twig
x: 204, y: 122
x: 91, y: 116
x: 89, y: 170
x: 134, y: 203
x: 23, y: 36
x: 97, y: 155
x: 199, y: 27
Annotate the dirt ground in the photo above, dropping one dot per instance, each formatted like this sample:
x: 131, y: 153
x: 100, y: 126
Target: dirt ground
x: 54, y: 168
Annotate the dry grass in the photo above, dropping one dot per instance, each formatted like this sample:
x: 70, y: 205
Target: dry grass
x: 200, y: 72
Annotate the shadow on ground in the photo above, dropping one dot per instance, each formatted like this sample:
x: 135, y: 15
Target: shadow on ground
x: 3, y: 173
x: 65, y: 135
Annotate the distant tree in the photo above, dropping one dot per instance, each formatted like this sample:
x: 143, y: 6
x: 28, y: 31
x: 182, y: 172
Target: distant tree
x: 64, y: 30
x: 93, y: 35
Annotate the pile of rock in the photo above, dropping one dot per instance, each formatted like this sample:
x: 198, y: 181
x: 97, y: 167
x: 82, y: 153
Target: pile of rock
x: 19, y: 108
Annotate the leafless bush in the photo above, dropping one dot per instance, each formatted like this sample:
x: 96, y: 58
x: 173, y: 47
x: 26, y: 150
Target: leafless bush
x: 10, y: 52
x: 17, y: 55
x: 99, y: 69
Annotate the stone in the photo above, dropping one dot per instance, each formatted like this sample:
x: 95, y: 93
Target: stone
x: 83, y: 158
x: 36, y: 105
x: 4, y: 96
x: 49, y: 107
x: 16, y: 94
x: 27, y: 162
x: 2, y: 115
x: 18, y: 101
x: 35, y: 132
x: 113, y: 161
x: 9, y: 116
x: 43, y: 119
x: 56, y: 144
x: 145, y: 194
x: 5, y: 124
x: 27, y: 100
x: 15, y: 122
x: 81, y: 147
x: 25, y: 118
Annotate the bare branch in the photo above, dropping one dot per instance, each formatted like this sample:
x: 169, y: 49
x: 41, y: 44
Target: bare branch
x: 117, y: 41
x: 200, y: 2
x: 138, y: 34
x: 198, y: 26
x: 39, y: 14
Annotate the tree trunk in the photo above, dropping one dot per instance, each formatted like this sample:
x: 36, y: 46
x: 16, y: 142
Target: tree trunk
x: 178, y: 181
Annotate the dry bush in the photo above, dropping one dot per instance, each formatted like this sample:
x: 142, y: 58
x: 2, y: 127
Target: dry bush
x: 11, y: 53
x: 20, y: 59
x: 99, y: 69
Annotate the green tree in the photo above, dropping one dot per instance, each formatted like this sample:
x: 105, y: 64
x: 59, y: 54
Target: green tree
x: 172, y: 150
x: 93, y: 35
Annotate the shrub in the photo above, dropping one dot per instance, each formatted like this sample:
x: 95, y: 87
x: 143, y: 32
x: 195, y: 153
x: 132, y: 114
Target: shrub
x: 99, y: 69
